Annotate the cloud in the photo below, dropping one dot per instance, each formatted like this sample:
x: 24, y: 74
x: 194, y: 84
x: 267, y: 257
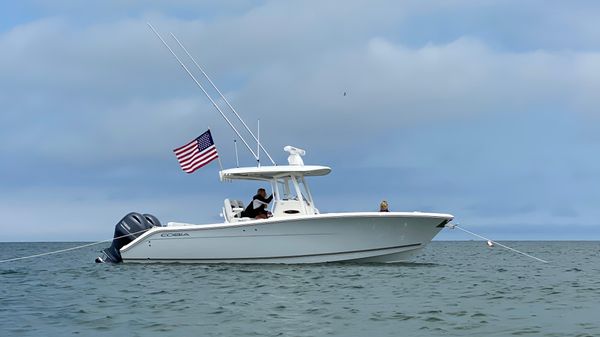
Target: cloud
x: 462, y: 111
x: 113, y: 76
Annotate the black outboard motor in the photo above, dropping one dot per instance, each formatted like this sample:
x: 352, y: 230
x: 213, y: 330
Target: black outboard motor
x: 128, y: 229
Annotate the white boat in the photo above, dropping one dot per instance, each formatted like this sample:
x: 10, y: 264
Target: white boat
x: 296, y: 233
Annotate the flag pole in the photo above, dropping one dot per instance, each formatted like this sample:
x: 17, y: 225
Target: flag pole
x: 218, y: 157
x: 220, y: 164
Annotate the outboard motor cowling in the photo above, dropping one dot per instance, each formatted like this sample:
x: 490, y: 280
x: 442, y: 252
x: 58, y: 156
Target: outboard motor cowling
x: 128, y: 229
x: 152, y: 220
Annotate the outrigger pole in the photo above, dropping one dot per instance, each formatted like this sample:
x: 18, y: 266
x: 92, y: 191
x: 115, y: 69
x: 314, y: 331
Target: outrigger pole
x: 204, y: 91
x: 257, y: 139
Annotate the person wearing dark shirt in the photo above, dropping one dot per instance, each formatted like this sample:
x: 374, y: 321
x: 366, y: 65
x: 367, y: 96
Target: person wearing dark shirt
x: 257, y: 208
x: 383, y: 207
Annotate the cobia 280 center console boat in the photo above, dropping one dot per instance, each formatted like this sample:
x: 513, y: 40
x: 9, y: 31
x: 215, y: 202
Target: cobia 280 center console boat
x: 295, y: 233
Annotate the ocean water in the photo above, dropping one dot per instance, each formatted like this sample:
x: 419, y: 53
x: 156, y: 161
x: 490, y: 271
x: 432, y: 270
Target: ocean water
x: 453, y: 289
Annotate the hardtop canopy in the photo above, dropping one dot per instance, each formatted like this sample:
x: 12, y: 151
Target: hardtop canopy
x: 273, y: 172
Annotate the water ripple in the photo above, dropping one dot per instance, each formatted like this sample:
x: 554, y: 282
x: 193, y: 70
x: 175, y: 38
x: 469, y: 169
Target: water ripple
x: 456, y: 288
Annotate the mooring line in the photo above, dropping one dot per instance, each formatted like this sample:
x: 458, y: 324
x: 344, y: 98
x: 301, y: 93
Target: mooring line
x: 452, y: 226
x: 69, y: 249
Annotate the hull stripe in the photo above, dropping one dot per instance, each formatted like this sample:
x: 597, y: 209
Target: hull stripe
x: 272, y: 257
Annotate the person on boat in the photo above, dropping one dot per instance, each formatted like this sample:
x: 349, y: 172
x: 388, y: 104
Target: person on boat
x: 257, y: 208
x: 383, y: 207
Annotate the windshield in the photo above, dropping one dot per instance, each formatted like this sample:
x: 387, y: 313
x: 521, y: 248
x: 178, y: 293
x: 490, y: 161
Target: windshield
x: 287, y: 190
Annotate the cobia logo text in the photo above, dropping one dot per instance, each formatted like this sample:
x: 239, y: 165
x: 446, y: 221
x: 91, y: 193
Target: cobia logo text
x: 169, y: 235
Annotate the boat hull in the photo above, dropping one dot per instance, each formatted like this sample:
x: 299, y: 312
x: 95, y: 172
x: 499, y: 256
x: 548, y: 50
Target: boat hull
x: 338, y: 237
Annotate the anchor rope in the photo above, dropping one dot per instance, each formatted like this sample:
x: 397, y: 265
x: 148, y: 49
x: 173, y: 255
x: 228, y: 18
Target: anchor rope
x: 71, y: 248
x: 452, y: 226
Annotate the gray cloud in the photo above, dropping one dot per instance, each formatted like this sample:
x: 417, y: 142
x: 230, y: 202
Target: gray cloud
x: 472, y: 106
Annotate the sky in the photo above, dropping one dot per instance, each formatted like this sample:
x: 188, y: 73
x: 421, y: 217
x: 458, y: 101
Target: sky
x: 487, y: 110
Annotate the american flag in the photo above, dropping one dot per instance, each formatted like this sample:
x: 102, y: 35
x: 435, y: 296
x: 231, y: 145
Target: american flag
x: 197, y: 153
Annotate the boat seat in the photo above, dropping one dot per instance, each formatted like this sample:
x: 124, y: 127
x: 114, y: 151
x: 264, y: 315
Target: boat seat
x: 232, y: 210
x: 227, y: 210
x: 237, y: 207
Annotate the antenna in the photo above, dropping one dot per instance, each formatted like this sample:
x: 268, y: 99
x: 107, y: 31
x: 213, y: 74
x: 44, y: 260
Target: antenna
x: 258, y: 143
x: 260, y: 146
x: 237, y: 159
x: 203, y: 90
